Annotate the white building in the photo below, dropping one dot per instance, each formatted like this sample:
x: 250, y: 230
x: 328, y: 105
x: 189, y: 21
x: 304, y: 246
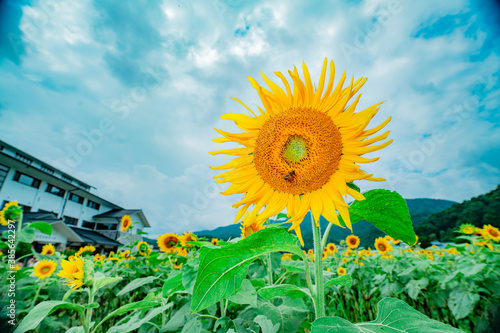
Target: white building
x: 76, y: 212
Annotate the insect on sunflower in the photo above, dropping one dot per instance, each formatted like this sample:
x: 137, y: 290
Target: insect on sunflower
x: 301, y: 150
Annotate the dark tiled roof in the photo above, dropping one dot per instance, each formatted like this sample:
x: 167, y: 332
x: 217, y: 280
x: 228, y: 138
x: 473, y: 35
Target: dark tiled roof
x: 40, y: 216
x: 93, y: 237
x: 118, y: 213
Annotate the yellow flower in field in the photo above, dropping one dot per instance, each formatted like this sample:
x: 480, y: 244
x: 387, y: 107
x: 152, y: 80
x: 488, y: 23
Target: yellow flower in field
x: 390, y: 256
x: 352, y: 241
x: 416, y: 241
x: 395, y: 241
x: 301, y: 150
x: 188, y: 237
x: 85, y: 251
x: 48, y: 249
x: 382, y: 246
x: 181, y: 251
x: 310, y: 252
x: 215, y: 241
x: 331, y: 248
x: 286, y: 256
x: 177, y: 266
x: 126, y: 222
x: 73, y: 272
x: 439, y: 253
x: 125, y: 254
x: 344, y: 260
x: 480, y: 232
x: 168, y: 242
x: 250, y: 226
x: 325, y: 254
x: 44, y: 268
x: 484, y: 243
x: 341, y: 270
x: 467, y: 229
x: 143, y: 248
x: 99, y: 257
x: 9, y: 212
x: 492, y: 232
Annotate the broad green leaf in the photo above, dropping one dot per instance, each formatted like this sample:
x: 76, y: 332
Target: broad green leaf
x: 222, y: 270
x: 178, y: 320
x: 42, y: 310
x: 192, y: 326
x: 43, y: 227
x: 461, y: 302
x: 126, y: 308
x: 282, y: 290
x: 344, y: 280
x: 246, y: 295
x: 294, y: 266
x: 387, y: 211
x: 136, y: 284
x: 415, y: 286
x: 393, y: 315
x: 468, y: 269
x: 289, y: 315
x: 27, y: 235
x: 136, y: 322
x: 100, y: 280
x: 266, y: 325
x: 282, y: 216
x: 189, y: 276
x: 174, y: 280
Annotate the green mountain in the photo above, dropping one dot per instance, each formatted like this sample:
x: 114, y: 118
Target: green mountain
x: 478, y: 211
x: 419, y: 210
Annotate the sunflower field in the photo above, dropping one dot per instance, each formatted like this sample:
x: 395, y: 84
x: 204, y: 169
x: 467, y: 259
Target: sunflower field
x: 301, y: 152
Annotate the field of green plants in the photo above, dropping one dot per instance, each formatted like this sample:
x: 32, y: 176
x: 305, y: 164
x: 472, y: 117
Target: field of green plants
x: 177, y: 290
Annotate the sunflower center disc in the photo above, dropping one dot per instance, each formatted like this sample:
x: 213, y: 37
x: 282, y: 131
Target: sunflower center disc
x: 298, y: 150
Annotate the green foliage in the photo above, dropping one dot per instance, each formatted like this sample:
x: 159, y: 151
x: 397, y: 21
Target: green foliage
x: 222, y: 270
x: 393, y: 316
x: 41, y: 311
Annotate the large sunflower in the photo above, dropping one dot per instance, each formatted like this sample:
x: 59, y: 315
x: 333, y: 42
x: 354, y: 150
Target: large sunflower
x: 301, y: 150
x: 492, y: 232
x: 383, y: 246
x: 44, y: 268
x: 352, y: 241
x: 73, y: 272
x: 188, y: 237
x: 168, y: 242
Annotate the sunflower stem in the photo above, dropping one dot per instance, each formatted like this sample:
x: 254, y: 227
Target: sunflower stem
x: 88, y: 311
x: 325, y: 235
x: 318, y: 263
x: 37, y: 293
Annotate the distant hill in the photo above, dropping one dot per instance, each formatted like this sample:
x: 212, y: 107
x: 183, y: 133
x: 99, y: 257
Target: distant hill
x: 419, y: 210
x: 478, y: 211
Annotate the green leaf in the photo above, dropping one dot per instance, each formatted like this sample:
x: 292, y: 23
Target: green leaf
x: 415, y: 286
x: 189, y: 277
x: 42, y: 310
x: 393, y: 316
x: 141, y: 232
x: 100, y: 280
x: 294, y: 266
x: 126, y: 308
x: 266, y: 325
x: 135, y: 322
x: 43, y: 227
x: 222, y: 270
x: 468, y: 270
x: 387, y: 211
x: 344, y: 280
x: 174, y: 280
x: 282, y: 216
x: 178, y: 320
x: 282, y: 290
x: 289, y: 315
x: 136, y: 284
x: 192, y: 326
x: 27, y: 235
x: 461, y: 302
x: 354, y: 186
x: 246, y: 295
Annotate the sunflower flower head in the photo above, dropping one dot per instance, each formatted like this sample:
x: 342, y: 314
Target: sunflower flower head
x: 331, y: 248
x: 73, y: 271
x: 188, y: 237
x: 352, y: 241
x: 10, y: 212
x: 143, y: 248
x: 44, y: 268
x: 126, y: 222
x: 215, y: 241
x: 85, y: 251
x: 168, y: 242
x: 48, y: 249
x: 492, y: 232
x: 301, y: 149
x: 383, y: 246
x: 341, y: 270
x: 249, y: 226
x: 467, y: 229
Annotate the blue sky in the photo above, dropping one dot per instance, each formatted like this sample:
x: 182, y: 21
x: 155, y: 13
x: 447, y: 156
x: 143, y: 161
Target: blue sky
x: 125, y: 95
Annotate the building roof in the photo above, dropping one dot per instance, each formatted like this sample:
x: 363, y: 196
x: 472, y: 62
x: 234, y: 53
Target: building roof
x: 93, y: 237
x: 118, y: 213
x: 41, y: 216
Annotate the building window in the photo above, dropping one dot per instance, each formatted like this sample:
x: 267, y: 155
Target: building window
x: 66, y: 178
x: 26, y: 180
x: 55, y: 190
x: 70, y: 220
x: 47, y: 169
x: 92, y: 204
x: 102, y: 226
x: 87, y: 224
x: 76, y: 198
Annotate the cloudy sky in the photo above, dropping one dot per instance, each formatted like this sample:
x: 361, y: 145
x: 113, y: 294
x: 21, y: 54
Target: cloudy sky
x: 125, y: 95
